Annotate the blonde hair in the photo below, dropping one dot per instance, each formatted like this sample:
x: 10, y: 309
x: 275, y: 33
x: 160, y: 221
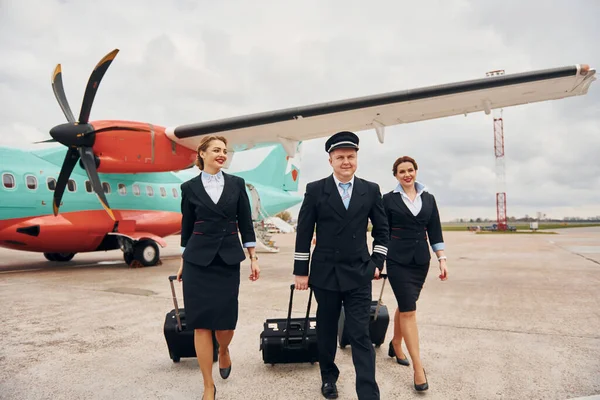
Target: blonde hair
x: 203, y: 146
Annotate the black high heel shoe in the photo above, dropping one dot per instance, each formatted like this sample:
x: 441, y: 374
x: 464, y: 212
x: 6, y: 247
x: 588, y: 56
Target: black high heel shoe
x: 392, y: 353
x: 422, y: 386
x: 214, y: 395
x: 224, y: 372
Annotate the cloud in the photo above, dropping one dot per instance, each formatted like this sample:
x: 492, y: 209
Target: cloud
x: 186, y: 61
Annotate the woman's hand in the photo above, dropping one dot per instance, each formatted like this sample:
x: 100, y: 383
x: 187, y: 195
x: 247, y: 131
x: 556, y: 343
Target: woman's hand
x: 180, y: 272
x: 254, y: 270
x: 443, y: 270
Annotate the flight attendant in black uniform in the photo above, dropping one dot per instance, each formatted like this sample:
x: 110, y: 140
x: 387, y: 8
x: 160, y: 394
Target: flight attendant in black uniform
x: 342, y: 269
x: 213, y: 205
x: 413, y: 218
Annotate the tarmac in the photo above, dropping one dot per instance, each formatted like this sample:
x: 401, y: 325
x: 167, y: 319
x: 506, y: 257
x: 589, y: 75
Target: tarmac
x: 518, y: 318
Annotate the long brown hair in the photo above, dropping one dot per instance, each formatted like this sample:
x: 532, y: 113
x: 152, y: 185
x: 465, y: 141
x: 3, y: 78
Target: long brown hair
x: 203, y: 146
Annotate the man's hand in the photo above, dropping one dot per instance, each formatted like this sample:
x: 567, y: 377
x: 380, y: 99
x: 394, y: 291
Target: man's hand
x: 180, y: 271
x: 301, y: 282
x: 377, y: 274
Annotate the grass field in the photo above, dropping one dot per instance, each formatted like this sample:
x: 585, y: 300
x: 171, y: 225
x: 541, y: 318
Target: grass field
x: 462, y: 226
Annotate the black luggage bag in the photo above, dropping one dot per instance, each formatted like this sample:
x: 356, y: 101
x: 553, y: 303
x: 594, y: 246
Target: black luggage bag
x: 380, y: 320
x: 290, y: 340
x: 180, y: 341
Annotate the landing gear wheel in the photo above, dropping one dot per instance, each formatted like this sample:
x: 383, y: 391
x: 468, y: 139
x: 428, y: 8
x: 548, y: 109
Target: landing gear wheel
x: 146, y: 253
x: 62, y: 257
x: 128, y: 257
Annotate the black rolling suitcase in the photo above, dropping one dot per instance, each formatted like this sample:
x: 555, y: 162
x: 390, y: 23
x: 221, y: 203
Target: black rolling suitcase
x: 380, y: 320
x: 290, y: 340
x: 180, y: 341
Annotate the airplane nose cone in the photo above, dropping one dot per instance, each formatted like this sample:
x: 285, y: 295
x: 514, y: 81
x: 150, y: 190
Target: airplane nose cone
x: 72, y: 134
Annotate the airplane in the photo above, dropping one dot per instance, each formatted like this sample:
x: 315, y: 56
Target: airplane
x: 149, y: 202
x: 129, y: 152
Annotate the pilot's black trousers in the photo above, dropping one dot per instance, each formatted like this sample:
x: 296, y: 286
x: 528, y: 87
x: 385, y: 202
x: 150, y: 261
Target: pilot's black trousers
x: 357, y: 305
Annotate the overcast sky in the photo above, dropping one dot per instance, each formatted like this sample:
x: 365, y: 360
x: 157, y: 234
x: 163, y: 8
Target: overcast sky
x: 188, y: 61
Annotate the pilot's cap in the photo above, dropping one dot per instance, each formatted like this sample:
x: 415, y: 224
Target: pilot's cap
x: 341, y: 140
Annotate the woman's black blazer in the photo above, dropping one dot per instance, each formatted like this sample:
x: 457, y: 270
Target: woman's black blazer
x: 409, y: 233
x: 208, y: 229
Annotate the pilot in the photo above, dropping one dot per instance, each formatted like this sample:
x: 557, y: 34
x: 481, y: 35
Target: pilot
x: 414, y: 218
x: 341, y: 270
x: 213, y: 205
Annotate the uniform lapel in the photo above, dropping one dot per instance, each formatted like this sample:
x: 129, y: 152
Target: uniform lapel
x: 357, y: 201
x: 228, y: 192
x: 198, y: 188
x: 426, y: 205
x: 400, y: 203
x: 335, y: 200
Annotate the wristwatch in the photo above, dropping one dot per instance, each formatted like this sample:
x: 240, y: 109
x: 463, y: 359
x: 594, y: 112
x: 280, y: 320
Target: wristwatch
x: 254, y: 258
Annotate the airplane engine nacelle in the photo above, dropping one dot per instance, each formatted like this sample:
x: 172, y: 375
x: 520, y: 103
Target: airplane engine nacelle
x: 147, y: 150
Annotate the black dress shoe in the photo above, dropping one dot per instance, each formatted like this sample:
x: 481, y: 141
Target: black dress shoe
x: 329, y: 390
x: 215, y: 395
x: 224, y: 372
x: 392, y: 353
x: 422, y: 386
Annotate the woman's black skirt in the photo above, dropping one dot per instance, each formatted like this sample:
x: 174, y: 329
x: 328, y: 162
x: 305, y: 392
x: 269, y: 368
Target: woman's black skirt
x: 210, y: 295
x: 406, y: 282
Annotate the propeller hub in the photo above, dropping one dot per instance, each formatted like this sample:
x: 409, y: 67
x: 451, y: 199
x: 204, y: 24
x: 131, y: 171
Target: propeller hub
x: 72, y: 134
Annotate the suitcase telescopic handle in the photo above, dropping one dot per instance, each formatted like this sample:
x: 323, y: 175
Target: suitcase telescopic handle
x: 384, y: 276
x: 289, y: 317
x: 171, y: 279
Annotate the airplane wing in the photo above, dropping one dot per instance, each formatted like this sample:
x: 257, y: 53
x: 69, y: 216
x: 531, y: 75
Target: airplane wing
x: 292, y: 125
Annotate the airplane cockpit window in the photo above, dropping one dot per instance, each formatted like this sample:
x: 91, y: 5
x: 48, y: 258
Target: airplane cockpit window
x: 8, y: 180
x: 51, y: 183
x: 31, y: 182
x: 136, y: 189
x: 106, y: 187
x: 175, y: 193
x: 149, y: 191
x: 71, y: 185
x: 163, y: 192
x: 122, y: 189
x: 88, y: 186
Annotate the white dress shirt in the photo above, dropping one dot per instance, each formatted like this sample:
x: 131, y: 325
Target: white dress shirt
x: 413, y: 205
x: 213, y: 184
x: 339, y: 188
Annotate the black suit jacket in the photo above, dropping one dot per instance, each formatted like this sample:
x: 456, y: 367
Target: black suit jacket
x: 409, y: 233
x: 341, y: 259
x: 208, y: 229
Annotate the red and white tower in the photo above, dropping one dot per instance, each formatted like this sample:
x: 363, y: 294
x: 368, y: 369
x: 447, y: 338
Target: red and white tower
x: 500, y: 166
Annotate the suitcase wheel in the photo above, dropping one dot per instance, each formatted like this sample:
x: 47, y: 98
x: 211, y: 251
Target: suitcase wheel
x: 174, y: 358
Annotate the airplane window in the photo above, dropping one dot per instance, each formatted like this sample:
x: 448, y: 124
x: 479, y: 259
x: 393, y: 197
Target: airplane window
x: 163, y: 192
x: 175, y: 193
x: 31, y: 182
x: 88, y: 186
x: 122, y: 189
x: 51, y: 182
x: 136, y: 189
x: 71, y: 185
x: 8, y: 180
x: 149, y: 191
x: 106, y: 187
